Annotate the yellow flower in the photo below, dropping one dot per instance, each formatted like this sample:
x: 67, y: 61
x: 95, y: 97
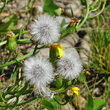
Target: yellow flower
x: 58, y: 47
x: 60, y: 53
x: 73, y: 22
x: 75, y: 90
x: 86, y: 71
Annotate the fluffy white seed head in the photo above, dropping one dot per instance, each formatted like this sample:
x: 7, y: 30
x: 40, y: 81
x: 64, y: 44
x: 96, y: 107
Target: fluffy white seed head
x: 39, y: 72
x: 45, y: 30
x: 70, y: 66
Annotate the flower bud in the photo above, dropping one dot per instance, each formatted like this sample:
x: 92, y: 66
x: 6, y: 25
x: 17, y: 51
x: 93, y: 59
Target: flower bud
x: 11, y: 41
x: 59, y: 11
x: 56, y: 50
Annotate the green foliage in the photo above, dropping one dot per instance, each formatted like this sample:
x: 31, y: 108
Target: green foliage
x: 3, y: 6
x: 47, y: 105
x: 49, y: 7
x: 62, y: 23
x: 107, y: 90
x: 17, y: 88
x: 67, y: 31
x: 58, y: 12
x: 83, y: 2
x: 90, y: 101
x: 95, y: 104
x: 82, y: 78
x: 72, y: 11
x: 10, y: 24
x: 100, y: 46
x: 11, y: 44
x: 59, y: 81
x: 54, y: 103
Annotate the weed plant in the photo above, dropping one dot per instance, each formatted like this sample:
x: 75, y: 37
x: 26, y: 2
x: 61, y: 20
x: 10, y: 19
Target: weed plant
x: 46, y: 81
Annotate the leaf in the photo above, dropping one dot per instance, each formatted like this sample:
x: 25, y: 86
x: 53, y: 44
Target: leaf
x: 88, y: 108
x: 90, y: 101
x: 54, y: 103
x: 72, y: 11
x: 98, y: 104
x: 59, y: 82
x: 47, y: 105
x: 71, y: 29
x: 49, y: 7
x: 63, y: 23
x: 89, y: 104
x: 22, y: 90
x: 82, y: 78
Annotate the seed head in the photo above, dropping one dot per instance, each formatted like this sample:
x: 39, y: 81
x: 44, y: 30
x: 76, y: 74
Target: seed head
x: 39, y: 72
x: 70, y: 66
x: 45, y: 30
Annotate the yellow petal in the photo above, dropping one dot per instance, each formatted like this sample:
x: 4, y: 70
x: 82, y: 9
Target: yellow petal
x: 88, y: 73
x: 75, y: 90
x: 60, y: 46
x: 60, y: 53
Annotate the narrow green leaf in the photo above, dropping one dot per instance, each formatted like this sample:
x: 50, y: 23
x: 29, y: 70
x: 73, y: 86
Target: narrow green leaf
x: 72, y: 11
x: 22, y: 90
x: 63, y: 22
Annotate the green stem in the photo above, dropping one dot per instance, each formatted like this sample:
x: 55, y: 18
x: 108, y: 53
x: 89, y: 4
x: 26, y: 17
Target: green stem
x: 31, y: 10
x: 99, y: 12
x: 20, y: 58
x: 91, y: 29
x: 97, y: 7
x: 17, y: 59
x: 24, y: 32
x: 24, y: 41
x: 20, y: 41
x: 3, y: 6
x: 87, y: 87
x: 28, y: 101
x: 93, y: 4
x: 35, y: 49
x: 85, y: 18
x: 2, y: 43
x: 9, y: 56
